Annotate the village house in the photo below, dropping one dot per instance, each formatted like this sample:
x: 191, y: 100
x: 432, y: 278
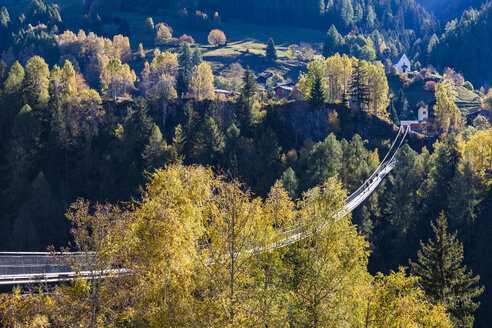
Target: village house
x: 403, y: 65
x: 422, y: 118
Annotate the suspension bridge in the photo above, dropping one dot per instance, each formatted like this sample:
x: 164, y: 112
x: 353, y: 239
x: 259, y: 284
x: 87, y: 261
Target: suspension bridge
x: 18, y: 268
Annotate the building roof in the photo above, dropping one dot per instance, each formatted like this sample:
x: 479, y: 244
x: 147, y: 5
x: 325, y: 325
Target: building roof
x: 403, y: 59
x: 222, y: 91
x: 283, y: 87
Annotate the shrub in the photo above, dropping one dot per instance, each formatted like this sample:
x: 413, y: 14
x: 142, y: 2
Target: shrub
x: 430, y: 86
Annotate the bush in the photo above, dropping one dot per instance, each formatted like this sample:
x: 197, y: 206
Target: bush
x: 186, y: 38
x: 430, y: 86
x: 217, y: 38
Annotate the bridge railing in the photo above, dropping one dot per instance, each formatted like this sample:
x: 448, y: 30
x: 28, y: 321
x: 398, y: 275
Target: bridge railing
x: 39, y: 267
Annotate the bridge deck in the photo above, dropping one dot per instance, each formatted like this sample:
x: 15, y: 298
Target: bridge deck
x: 38, y: 267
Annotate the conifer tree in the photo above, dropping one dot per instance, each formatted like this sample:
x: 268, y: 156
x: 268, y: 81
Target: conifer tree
x: 317, y: 100
x: 401, y: 106
x: 185, y: 59
x: 317, y: 95
x: 271, y: 52
x: 393, y: 114
x: 444, y: 278
x: 185, y: 70
x: 196, y: 59
x: 333, y: 42
x: 248, y: 89
x: 209, y: 141
x: 153, y: 154
x: 359, y: 90
x: 181, y: 83
x: 243, y: 114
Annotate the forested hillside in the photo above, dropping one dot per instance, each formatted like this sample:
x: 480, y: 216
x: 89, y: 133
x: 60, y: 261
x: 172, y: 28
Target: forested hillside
x: 204, y: 174
x: 466, y: 45
x: 447, y: 10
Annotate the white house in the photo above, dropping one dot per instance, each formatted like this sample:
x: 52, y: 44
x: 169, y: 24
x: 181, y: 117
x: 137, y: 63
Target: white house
x: 421, y: 122
x: 423, y: 113
x: 403, y: 65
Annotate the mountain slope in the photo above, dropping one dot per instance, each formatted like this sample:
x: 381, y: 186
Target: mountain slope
x: 466, y: 46
x: 446, y: 10
x: 398, y: 16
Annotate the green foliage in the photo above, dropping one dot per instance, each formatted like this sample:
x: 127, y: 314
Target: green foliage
x: 359, y: 90
x: 464, y: 38
x: 271, y: 53
x: 324, y: 160
x: 289, y: 181
x: 187, y: 60
x: 196, y: 58
x: 317, y: 95
x: 149, y: 24
x: 333, y: 43
x: 393, y: 114
x: 443, y: 277
x: 401, y: 106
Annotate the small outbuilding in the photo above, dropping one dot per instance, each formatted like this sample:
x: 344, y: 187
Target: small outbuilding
x: 283, y: 90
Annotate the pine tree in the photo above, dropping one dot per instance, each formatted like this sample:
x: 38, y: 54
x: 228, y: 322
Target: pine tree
x: 196, y: 59
x: 443, y: 277
x: 393, y: 115
x: 248, y: 89
x: 317, y: 95
x: 181, y: 83
x: 243, y: 114
x: 401, y: 106
x: 359, y: 90
x: 153, y: 154
x: 333, y: 42
x: 210, y: 141
x: 185, y: 59
x: 271, y: 52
